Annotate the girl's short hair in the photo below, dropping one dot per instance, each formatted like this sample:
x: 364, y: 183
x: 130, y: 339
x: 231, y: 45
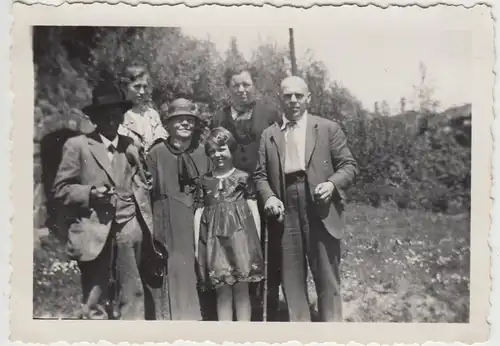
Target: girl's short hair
x: 219, y: 137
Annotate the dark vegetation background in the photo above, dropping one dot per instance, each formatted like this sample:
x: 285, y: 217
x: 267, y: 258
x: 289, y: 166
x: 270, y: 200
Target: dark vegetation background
x: 407, y: 253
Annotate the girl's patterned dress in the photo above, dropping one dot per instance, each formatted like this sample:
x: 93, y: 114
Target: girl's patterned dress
x: 229, y: 247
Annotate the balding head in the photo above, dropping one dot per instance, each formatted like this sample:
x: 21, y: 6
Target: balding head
x: 295, y: 97
x: 294, y: 82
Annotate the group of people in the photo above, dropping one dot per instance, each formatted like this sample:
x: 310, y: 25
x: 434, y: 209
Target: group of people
x: 170, y: 224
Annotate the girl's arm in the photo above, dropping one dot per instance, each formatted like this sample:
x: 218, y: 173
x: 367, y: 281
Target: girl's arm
x: 197, y: 221
x: 252, y: 204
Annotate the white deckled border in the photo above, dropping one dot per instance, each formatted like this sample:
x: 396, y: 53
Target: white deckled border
x: 140, y: 328
x: 303, y: 3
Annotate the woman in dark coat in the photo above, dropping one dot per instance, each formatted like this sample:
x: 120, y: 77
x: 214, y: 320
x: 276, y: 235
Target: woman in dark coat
x: 176, y: 164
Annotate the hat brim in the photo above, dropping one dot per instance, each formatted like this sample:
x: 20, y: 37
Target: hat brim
x: 92, y: 110
x: 178, y: 114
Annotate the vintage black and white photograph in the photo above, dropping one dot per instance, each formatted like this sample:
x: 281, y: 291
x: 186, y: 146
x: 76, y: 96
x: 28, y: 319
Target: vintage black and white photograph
x: 278, y: 172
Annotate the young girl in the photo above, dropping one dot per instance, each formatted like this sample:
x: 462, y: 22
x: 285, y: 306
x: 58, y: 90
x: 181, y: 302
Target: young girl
x: 142, y: 123
x: 227, y: 230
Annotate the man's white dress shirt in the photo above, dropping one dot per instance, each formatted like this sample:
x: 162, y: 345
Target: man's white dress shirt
x: 295, y: 138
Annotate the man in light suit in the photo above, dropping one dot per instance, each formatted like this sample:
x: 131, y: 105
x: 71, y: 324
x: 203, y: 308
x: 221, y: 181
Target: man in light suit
x: 101, y: 188
x: 304, y: 167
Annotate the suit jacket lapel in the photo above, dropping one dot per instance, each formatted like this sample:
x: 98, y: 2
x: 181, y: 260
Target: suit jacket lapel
x: 311, y: 138
x: 278, y: 138
x: 100, y: 153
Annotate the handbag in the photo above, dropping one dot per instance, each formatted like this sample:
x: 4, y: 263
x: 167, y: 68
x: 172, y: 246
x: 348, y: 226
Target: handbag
x: 154, y: 262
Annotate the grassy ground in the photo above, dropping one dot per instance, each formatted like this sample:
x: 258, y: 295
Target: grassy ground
x: 398, y: 266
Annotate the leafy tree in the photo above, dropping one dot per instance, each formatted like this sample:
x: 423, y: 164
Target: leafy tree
x: 233, y: 55
x: 402, y: 103
x: 269, y: 62
x: 385, y: 109
x: 424, y: 93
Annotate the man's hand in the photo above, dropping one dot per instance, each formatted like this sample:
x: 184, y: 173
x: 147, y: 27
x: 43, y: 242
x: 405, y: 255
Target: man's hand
x: 101, y: 194
x: 324, y: 192
x: 274, y: 207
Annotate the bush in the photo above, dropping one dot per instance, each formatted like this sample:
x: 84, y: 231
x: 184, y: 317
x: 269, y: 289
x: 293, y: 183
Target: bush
x: 431, y: 171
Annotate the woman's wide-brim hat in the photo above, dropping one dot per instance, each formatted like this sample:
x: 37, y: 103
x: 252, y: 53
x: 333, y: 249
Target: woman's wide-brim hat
x: 180, y: 107
x: 105, y: 96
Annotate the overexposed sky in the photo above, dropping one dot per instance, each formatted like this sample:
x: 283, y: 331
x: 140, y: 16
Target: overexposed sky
x: 375, y: 56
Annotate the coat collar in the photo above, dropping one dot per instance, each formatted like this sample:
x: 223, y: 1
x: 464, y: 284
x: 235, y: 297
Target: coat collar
x: 277, y: 138
x: 246, y: 115
x: 229, y: 111
x: 311, y: 138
